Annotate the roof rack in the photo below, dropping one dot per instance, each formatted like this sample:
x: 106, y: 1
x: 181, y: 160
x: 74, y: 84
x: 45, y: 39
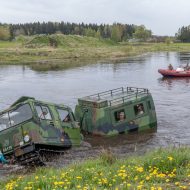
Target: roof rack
x: 129, y: 93
x: 118, y: 95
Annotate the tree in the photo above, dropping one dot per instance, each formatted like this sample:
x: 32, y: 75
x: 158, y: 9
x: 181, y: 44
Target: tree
x: 142, y: 33
x: 168, y: 40
x: 117, y: 32
x: 4, y: 33
x: 184, y: 34
x: 90, y: 32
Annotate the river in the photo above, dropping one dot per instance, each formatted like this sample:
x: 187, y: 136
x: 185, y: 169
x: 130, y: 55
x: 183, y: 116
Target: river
x: 171, y: 96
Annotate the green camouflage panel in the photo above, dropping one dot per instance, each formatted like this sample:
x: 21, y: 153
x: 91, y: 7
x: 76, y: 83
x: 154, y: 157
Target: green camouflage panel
x: 30, y: 122
x: 117, y: 111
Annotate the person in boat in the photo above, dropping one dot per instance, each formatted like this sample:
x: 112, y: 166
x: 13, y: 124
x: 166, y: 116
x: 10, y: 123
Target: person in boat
x: 2, y: 158
x: 170, y: 67
x: 187, y: 67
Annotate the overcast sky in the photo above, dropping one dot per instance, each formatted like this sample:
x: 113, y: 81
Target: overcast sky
x: 163, y: 17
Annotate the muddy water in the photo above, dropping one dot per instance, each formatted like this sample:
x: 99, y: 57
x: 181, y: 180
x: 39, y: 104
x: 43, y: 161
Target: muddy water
x: 171, y: 96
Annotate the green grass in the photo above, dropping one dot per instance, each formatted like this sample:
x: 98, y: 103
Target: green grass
x: 36, y: 51
x: 161, y: 169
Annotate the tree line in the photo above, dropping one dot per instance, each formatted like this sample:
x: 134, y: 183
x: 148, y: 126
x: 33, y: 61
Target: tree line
x: 117, y: 32
x: 183, y: 34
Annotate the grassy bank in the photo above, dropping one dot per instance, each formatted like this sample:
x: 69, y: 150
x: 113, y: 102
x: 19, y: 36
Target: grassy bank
x: 71, y: 51
x: 161, y: 169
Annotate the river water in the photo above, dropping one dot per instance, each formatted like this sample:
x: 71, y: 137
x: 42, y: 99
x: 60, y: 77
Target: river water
x: 171, y: 96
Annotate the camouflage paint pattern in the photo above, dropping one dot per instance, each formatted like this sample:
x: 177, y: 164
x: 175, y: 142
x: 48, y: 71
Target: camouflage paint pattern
x: 52, y: 133
x: 97, y: 113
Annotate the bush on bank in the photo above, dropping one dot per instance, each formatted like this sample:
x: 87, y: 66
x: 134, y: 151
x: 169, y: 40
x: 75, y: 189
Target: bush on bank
x: 161, y: 169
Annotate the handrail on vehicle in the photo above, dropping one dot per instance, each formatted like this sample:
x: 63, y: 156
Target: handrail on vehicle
x: 130, y: 91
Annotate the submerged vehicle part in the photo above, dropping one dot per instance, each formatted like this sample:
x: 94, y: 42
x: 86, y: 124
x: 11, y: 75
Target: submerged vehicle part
x: 30, y: 126
x: 117, y: 111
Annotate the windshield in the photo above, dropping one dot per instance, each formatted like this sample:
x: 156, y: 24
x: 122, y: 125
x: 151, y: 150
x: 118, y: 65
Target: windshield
x: 15, y: 117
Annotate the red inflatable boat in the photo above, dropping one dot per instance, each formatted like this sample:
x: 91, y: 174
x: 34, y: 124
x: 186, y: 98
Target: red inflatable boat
x: 174, y: 73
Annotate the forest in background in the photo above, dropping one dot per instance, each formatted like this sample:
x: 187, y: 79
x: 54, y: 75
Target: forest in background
x: 116, y: 32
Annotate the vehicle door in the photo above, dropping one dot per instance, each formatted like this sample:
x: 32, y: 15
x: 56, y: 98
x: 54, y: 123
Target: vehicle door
x: 70, y: 126
x: 47, y: 123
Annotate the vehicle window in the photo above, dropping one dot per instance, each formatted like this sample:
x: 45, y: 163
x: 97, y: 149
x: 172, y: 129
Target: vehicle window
x: 20, y: 114
x: 119, y: 115
x: 64, y: 115
x: 43, y: 112
x: 4, y: 121
x: 139, y: 109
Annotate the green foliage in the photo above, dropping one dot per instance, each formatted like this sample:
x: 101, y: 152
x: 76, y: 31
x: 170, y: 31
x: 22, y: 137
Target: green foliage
x: 142, y: 33
x: 4, y: 33
x: 158, y: 170
x: 60, y: 40
x: 120, y: 31
x: 90, y: 32
x: 168, y: 41
x: 167, y: 160
x: 184, y: 34
x: 116, y: 32
x: 107, y: 156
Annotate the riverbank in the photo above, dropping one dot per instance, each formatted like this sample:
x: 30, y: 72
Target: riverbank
x: 72, y: 51
x: 160, y: 169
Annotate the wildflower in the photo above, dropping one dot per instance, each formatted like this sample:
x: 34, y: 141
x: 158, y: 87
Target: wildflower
x: 170, y: 158
x: 79, y: 177
x: 147, y: 177
x: 177, y: 183
x: 140, y: 169
x: 139, y: 187
x: 36, y: 177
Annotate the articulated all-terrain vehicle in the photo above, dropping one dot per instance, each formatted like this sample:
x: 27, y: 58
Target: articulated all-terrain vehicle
x: 117, y: 111
x: 30, y: 126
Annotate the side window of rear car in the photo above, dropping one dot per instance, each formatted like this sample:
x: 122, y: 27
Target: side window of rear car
x: 120, y: 115
x: 139, y: 109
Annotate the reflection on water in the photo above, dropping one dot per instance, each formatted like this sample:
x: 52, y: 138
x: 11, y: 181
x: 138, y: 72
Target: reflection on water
x: 169, y: 82
x: 171, y: 95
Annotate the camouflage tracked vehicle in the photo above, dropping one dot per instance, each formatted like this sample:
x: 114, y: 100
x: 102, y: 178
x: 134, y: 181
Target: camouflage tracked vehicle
x: 117, y: 111
x: 30, y: 126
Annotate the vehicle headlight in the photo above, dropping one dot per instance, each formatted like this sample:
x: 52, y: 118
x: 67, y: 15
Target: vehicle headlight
x: 21, y: 143
x: 62, y: 139
x: 26, y: 138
